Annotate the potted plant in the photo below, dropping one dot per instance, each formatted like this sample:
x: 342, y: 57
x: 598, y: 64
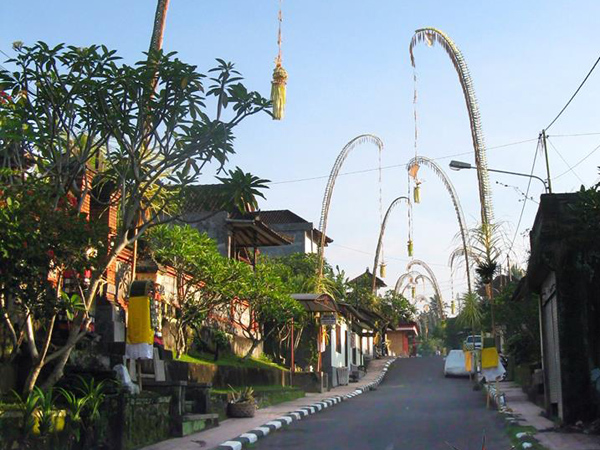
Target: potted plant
x: 242, y: 403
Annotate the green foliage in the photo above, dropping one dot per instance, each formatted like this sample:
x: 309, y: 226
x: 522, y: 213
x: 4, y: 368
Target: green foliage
x: 240, y: 190
x: 243, y: 395
x: 587, y: 209
x: 40, y: 236
x: 266, y: 298
x: 144, y: 129
x: 520, y: 321
x: 451, y: 333
x: 230, y: 360
x: 204, y: 278
x: 299, y: 272
x: 470, y: 315
x: 42, y: 411
x: 361, y: 294
x: 396, y: 308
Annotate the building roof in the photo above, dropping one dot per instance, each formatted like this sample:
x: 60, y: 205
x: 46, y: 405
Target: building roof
x: 368, y: 276
x: 358, y: 316
x: 204, y: 198
x: 412, y: 327
x: 316, y: 302
x: 285, y: 216
x: 253, y: 232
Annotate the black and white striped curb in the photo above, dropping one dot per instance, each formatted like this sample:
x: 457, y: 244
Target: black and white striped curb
x: 255, y: 434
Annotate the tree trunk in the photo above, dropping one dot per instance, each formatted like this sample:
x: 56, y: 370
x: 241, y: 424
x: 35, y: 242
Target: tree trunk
x: 255, y: 343
x: 40, y: 360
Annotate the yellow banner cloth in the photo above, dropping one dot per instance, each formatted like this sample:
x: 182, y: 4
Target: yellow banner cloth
x: 489, y: 358
x: 139, y: 329
x: 469, y: 361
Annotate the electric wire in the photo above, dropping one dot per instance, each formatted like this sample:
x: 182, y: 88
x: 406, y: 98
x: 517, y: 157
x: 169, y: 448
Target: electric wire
x: 572, y: 135
x: 579, y: 162
x: 565, y: 161
x: 355, y: 172
x: 573, y: 96
x: 525, y: 200
x: 397, y: 258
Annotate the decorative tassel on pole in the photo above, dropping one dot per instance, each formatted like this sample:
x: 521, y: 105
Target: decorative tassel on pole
x: 410, y: 247
x: 382, y: 268
x: 280, y: 76
x: 417, y: 194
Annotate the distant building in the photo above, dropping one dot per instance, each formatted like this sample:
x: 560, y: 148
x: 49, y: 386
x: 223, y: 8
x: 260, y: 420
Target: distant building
x: 366, y: 278
x: 304, y: 236
x: 238, y: 235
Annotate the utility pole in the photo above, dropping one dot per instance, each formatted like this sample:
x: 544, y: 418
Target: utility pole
x: 547, y: 161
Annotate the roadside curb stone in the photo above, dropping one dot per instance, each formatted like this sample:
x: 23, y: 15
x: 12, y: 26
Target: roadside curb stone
x: 257, y: 433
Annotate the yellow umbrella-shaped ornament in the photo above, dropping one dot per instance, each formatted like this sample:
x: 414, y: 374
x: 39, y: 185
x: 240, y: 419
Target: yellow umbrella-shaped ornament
x: 280, y: 76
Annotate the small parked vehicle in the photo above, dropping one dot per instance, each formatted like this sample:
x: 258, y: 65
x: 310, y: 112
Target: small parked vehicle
x: 473, y: 340
x: 455, y: 364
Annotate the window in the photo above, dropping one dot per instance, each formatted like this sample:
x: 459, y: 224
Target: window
x: 338, y: 338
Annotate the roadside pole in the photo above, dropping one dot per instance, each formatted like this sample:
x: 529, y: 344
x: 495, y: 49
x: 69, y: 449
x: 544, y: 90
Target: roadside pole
x: 543, y: 134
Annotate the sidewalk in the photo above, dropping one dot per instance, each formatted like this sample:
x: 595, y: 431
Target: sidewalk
x: 530, y: 414
x: 232, y: 428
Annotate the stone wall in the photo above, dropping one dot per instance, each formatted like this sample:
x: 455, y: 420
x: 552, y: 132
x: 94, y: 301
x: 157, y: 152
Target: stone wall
x: 130, y: 422
x: 223, y: 376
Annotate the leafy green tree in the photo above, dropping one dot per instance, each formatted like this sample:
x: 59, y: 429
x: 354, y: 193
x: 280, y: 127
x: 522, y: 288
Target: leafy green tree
x: 396, y: 308
x: 264, y: 305
x: 519, y: 321
x: 241, y: 190
x: 299, y: 272
x: 361, y: 294
x: 204, y: 278
x: 41, y: 244
x: 143, y: 131
x: 470, y: 315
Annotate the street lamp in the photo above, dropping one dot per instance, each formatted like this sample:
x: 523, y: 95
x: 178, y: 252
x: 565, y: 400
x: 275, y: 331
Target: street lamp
x: 460, y: 165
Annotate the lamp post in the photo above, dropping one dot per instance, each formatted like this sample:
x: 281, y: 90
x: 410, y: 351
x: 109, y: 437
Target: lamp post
x: 460, y: 165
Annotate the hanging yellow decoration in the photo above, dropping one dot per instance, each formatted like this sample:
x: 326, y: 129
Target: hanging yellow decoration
x: 278, y: 91
x: 382, y: 268
x: 410, y: 247
x: 417, y: 194
x: 280, y: 76
x: 413, y: 291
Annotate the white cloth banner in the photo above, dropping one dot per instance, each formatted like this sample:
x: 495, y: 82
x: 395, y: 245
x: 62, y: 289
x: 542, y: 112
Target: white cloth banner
x: 139, y: 351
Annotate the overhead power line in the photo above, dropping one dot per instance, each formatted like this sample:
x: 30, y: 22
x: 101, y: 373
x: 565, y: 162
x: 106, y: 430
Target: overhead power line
x: 321, y: 177
x: 573, y: 96
x: 572, y: 135
x: 525, y: 200
x: 578, y: 162
x: 565, y: 161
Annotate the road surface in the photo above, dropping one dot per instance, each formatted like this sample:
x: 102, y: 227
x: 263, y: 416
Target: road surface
x: 415, y: 408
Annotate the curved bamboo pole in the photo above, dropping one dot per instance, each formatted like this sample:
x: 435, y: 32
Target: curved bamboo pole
x: 380, y: 240
x: 411, y: 276
x: 432, y: 35
x: 436, y: 286
x: 464, y: 231
x: 362, y: 139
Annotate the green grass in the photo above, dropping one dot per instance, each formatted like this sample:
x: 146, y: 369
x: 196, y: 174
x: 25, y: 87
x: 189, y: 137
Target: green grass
x: 231, y: 361
x: 258, y: 389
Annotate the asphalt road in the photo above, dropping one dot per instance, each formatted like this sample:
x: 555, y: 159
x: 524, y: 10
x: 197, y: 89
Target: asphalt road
x: 415, y: 407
